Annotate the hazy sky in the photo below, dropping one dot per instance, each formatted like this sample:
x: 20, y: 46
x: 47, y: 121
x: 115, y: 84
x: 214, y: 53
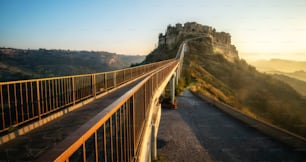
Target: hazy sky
x: 259, y: 28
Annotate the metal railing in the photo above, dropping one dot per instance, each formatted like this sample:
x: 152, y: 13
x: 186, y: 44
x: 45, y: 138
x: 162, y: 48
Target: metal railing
x: 115, y: 133
x: 28, y: 100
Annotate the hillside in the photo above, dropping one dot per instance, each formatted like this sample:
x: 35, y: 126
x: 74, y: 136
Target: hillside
x: 280, y: 65
x: 213, y: 68
x: 300, y: 75
x: 298, y: 85
x: 293, y: 69
x: 17, y: 64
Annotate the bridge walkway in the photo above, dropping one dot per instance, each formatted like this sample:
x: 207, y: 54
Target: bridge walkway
x: 30, y: 146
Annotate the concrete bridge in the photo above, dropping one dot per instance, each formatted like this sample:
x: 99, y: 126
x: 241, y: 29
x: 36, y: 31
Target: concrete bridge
x: 111, y: 116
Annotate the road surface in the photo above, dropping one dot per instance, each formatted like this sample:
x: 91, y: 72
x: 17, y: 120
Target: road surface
x: 197, y: 131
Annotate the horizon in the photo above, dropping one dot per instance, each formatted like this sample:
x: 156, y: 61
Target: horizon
x: 259, y: 29
x: 77, y: 50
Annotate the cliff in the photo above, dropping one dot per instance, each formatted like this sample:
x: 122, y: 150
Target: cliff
x: 220, y: 42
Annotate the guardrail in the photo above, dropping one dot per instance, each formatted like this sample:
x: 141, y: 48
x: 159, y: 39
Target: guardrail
x: 115, y: 133
x: 24, y: 101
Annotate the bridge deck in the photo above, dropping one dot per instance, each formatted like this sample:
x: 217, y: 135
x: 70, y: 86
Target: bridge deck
x: 197, y: 131
x: 33, y: 144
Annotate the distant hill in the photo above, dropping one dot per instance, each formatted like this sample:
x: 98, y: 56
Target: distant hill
x: 213, y: 68
x: 293, y: 69
x: 279, y: 65
x: 298, y: 85
x: 18, y: 64
x: 300, y: 75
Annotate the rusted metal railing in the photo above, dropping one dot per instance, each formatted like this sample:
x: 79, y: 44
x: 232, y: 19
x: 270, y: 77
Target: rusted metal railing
x: 115, y: 133
x: 28, y: 100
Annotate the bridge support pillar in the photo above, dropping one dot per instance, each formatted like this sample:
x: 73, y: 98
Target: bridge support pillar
x: 172, y: 88
x: 154, y: 142
x: 155, y: 125
x: 178, y: 72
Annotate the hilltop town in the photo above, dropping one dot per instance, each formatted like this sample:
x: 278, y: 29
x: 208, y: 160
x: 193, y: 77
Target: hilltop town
x: 220, y: 41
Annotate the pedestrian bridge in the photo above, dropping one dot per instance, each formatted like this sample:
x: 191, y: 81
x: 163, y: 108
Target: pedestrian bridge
x: 116, y: 114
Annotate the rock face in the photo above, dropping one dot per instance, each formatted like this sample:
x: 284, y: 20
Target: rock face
x: 221, y: 41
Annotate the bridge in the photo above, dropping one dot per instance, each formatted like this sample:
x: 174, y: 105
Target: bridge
x: 120, y: 106
x: 110, y: 116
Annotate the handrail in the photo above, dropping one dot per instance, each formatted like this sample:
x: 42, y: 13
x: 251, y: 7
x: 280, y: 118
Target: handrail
x: 79, y: 75
x: 23, y: 101
x: 115, y: 133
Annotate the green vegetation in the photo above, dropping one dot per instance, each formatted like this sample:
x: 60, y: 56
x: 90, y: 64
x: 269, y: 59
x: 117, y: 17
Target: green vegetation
x: 241, y: 86
x: 161, y: 53
x: 18, y: 64
x: 298, y: 85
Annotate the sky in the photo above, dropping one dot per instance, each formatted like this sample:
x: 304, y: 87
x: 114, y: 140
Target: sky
x: 260, y: 29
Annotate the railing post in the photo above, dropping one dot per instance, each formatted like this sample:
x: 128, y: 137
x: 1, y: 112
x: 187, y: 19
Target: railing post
x: 93, y: 85
x: 84, y: 151
x: 132, y: 73
x: 2, y: 107
x: 134, y: 125
x: 96, y: 146
x: 145, y: 100
x: 105, y: 81
x: 38, y: 99
x: 123, y: 76
x: 114, y: 78
x: 73, y: 90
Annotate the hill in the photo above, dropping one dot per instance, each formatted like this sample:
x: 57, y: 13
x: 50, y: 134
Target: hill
x: 18, y: 64
x: 293, y: 69
x: 298, y: 85
x: 274, y: 65
x: 300, y: 75
x: 213, y: 68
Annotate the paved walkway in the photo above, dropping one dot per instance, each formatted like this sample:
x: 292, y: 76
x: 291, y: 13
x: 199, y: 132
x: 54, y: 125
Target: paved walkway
x: 197, y: 131
x: 33, y: 144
